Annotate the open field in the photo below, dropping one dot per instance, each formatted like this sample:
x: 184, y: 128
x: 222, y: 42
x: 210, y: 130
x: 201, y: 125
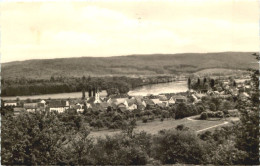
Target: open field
x: 155, y: 126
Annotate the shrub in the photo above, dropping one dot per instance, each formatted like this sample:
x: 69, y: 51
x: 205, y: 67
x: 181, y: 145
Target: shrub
x: 178, y: 147
x: 211, y: 114
x: 219, y: 114
x: 204, y: 115
x: 151, y: 118
x: 144, y: 119
x: 181, y: 127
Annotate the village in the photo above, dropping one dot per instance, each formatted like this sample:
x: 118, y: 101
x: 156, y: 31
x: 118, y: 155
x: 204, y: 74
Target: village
x: 225, y: 90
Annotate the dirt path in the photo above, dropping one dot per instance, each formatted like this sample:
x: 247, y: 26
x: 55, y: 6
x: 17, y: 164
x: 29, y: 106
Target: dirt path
x: 224, y: 123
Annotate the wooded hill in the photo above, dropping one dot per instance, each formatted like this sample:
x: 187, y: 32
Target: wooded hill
x: 153, y: 64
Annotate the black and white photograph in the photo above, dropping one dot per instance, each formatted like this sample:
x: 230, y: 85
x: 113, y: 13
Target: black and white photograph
x: 129, y: 82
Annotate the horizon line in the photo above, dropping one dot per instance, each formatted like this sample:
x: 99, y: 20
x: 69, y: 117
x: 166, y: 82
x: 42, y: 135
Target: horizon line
x: 131, y: 55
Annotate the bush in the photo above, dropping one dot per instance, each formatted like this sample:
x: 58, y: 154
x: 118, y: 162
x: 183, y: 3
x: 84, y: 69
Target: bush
x: 211, y: 114
x: 204, y: 115
x: 219, y: 114
x: 181, y: 127
x: 151, y: 118
x: 178, y: 147
x: 145, y: 119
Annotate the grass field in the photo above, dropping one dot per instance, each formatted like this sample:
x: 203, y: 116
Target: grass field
x: 155, y: 126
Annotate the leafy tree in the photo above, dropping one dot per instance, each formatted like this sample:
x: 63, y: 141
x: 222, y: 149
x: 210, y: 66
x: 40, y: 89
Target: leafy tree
x: 248, y: 129
x: 198, y: 82
x: 204, y: 81
x: 189, y: 83
x: 174, y: 146
x: 32, y: 138
x: 83, y: 94
x: 212, y: 83
x: 234, y: 83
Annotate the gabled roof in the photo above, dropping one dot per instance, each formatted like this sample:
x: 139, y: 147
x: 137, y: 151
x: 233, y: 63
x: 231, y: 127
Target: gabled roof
x: 10, y: 101
x: 149, y: 102
x: 57, y: 103
x: 121, y: 100
x: 18, y: 109
x: 131, y: 101
x: 161, y: 104
x: 30, y: 105
x: 76, y: 107
x: 156, y: 101
x: 163, y: 98
x: 121, y: 105
x: 104, y: 105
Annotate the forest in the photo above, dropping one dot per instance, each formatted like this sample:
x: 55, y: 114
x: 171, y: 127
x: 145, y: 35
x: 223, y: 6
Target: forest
x: 24, y: 86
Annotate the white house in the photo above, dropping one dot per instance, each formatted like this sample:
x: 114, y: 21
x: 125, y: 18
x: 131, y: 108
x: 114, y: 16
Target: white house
x: 10, y: 103
x: 59, y: 106
x: 132, y: 107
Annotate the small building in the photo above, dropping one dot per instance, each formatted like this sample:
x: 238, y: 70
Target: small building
x: 132, y: 107
x: 180, y: 99
x: 18, y: 110
x: 58, y: 105
x: 10, y: 103
x: 30, y: 107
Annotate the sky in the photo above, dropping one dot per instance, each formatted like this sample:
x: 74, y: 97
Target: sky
x: 61, y: 29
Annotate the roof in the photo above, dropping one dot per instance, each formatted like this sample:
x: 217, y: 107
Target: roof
x: 18, y: 109
x: 104, y: 105
x: 30, y: 105
x: 149, y: 101
x: 131, y: 101
x: 121, y: 105
x: 76, y: 107
x: 121, y: 100
x: 161, y: 104
x: 40, y: 104
x: 10, y: 101
x: 57, y: 103
x: 156, y: 101
x: 180, y: 97
x: 163, y: 98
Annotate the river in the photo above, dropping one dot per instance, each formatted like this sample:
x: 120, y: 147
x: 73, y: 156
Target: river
x: 155, y: 89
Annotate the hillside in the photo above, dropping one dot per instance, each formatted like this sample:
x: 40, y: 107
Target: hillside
x: 128, y: 65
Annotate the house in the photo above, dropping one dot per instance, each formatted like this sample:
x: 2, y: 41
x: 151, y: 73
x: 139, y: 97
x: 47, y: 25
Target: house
x: 18, y: 110
x: 195, y: 98
x: 149, y: 103
x: 132, y: 106
x: 58, y: 105
x: 141, y: 105
x: 180, y: 99
x: 156, y: 101
x: 161, y: 105
x: 30, y: 107
x: 122, y: 107
x: 171, y: 101
x: 77, y: 107
x: 104, y: 105
x: 43, y: 102
x: 10, y: 103
x: 162, y: 98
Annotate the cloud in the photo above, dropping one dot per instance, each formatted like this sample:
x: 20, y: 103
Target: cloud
x: 101, y: 28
